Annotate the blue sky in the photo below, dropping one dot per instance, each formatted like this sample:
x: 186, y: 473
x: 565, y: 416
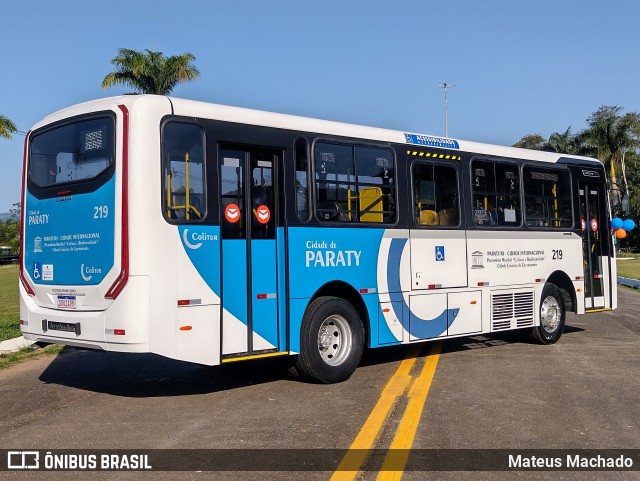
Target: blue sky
x: 519, y: 67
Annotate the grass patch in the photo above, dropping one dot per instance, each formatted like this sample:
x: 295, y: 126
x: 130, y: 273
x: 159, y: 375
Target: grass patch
x: 9, y: 302
x: 629, y: 268
x: 625, y: 254
x: 29, y: 352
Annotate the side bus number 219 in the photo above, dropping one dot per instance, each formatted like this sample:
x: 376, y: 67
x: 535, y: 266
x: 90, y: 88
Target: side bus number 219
x: 100, y: 212
x: 557, y: 254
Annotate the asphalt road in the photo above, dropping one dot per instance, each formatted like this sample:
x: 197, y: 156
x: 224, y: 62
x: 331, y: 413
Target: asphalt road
x: 488, y: 392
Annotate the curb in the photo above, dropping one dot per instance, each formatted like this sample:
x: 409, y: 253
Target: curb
x: 13, y: 345
x: 629, y: 282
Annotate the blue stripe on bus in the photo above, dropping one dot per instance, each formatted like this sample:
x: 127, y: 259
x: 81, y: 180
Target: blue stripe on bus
x: 263, y: 285
x: 234, y: 273
x: 282, y: 298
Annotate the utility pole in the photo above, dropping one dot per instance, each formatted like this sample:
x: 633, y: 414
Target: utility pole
x: 446, y: 86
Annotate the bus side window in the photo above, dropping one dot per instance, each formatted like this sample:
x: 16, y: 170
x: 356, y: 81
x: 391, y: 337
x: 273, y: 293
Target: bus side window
x: 183, y: 193
x: 354, y: 183
x: 496, y: 193
x: 335, y: 182
x: 508, y: 194
x: 483, y: 184
x: 376, y: 185
x: 435, y: 190
x: 547, y: 197
x: 302, y: 179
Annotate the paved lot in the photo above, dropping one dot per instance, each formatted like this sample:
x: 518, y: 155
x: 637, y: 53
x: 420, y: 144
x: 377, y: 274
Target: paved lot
x: 487, y: 392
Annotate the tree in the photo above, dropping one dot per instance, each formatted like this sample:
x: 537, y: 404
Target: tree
x: 531, y: 141
x: 562, y: 143
x: 611, y: 135
x: 150, y: 72
x: 7, y: 127
x: 10, y: 230
x: 613, y: 138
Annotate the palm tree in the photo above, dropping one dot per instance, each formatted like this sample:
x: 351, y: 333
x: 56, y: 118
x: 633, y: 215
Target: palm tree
x: 150, y: 72
x: 562, y: 143
x: 611, y: 134
x: 7, y: 127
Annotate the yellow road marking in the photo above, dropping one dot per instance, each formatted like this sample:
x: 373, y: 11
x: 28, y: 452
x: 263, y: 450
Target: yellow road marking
x: 396, y: 459
x: 357, y: 454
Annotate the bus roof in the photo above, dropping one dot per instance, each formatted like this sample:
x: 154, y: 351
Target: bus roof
x: 192, y: 108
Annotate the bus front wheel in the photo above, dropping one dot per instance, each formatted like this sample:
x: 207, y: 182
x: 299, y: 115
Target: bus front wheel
x: 331, y: 340
x: 552, y: 314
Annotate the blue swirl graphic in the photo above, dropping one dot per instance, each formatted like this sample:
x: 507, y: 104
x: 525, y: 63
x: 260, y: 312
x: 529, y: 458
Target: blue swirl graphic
x: 416, y: 326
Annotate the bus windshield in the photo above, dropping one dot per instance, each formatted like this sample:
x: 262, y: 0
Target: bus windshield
x: 73, y: 152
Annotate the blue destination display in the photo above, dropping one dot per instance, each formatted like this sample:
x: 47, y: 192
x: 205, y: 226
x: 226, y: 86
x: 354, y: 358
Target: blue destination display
x: 431, y: 141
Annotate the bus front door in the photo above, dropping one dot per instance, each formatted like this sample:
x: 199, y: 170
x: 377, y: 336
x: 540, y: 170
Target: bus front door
x: 595, y: 246
x: 249, y: 252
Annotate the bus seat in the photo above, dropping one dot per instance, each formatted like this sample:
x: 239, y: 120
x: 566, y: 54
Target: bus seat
x: 448, y: 216
x: 371, y: 205
x: 428, y: 217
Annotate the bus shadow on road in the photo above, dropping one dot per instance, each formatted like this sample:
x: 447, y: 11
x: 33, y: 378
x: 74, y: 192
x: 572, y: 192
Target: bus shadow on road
x: 149, y: 375
x: 480, y: 341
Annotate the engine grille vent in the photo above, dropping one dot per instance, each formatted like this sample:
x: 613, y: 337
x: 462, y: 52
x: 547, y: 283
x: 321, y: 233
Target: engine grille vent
x: 511, y: 310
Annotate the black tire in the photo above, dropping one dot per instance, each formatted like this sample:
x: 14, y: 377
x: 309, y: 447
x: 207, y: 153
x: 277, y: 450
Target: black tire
x: 331, y: 341
x: 552, y: 316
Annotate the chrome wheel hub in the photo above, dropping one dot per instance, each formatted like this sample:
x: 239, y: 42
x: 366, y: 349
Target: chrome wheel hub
x: 334, y: 340
x: 550, y: 314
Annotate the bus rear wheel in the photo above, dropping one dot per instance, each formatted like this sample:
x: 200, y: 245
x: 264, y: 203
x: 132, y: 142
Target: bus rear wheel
x: 331, y: 341
x: 552, y: 315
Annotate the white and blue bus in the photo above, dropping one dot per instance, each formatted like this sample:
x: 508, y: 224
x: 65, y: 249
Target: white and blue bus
x: 214, y: 234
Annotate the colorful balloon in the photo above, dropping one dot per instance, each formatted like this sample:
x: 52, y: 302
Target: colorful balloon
x: 621, y: 233
x: 616, y: 223
x: 628, y: 224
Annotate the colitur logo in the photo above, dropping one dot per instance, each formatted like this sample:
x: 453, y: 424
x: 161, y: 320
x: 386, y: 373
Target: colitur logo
x: 87, y: 272
x: 198, y: 237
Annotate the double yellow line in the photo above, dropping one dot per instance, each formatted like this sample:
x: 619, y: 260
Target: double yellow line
x: 396, y: 459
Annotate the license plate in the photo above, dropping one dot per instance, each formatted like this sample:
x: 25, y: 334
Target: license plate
x: 66, y: 302
x: 62, y: 326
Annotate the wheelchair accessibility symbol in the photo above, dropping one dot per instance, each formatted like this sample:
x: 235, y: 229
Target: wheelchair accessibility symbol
x: 37, y: 271
x: 439, y: 253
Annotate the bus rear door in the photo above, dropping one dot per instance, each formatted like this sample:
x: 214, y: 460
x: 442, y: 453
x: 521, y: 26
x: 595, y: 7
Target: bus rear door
x: 249, y: 251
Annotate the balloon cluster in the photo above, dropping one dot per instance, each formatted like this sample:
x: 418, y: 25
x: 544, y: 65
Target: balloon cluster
x: 621, y: 227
